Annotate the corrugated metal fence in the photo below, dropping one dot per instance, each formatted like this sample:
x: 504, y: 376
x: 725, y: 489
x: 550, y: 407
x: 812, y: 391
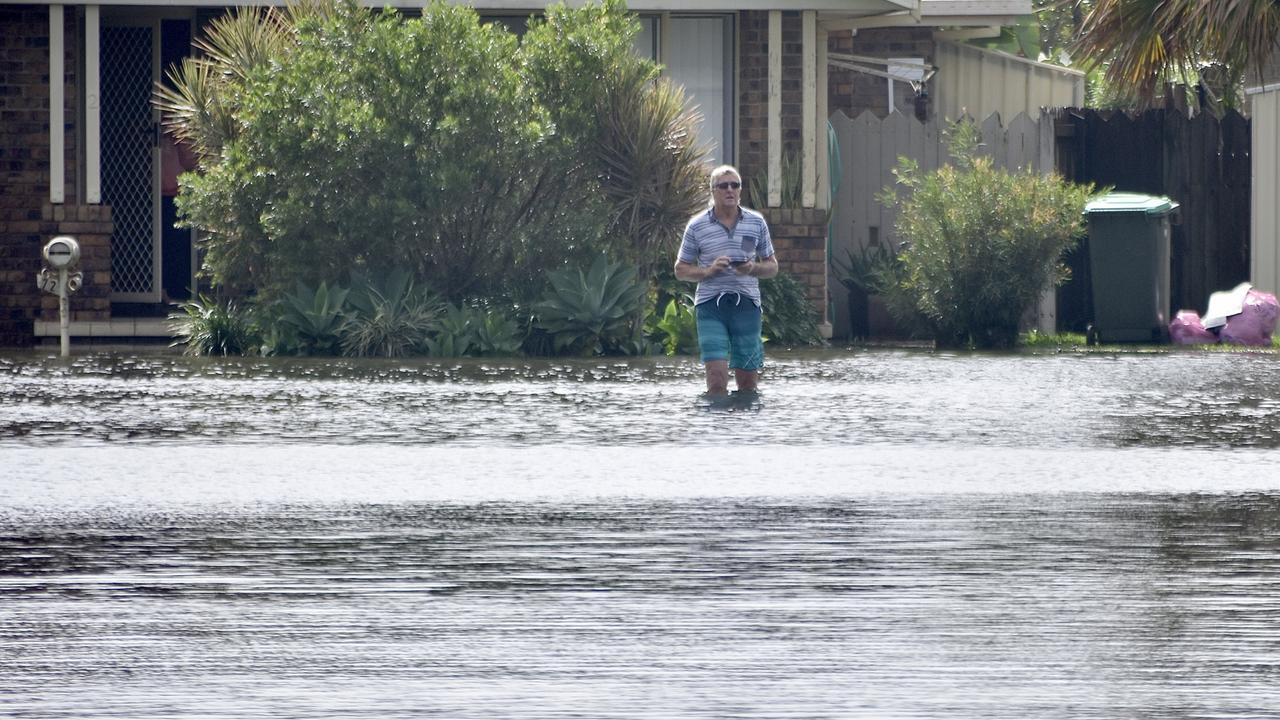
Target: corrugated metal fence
x: 977, y: 82
x: 1265, y: 248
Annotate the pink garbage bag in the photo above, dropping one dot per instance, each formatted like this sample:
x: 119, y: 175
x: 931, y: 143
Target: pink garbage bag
x: 1256, y: 321
x: 1187, y: 330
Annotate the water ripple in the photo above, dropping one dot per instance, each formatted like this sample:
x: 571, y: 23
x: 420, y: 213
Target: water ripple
x: 1204, y: 400
x: 884, y: 534
x: 1076, y: 606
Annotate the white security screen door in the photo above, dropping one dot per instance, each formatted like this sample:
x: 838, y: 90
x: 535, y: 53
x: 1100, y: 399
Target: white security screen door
x: 129, y: 178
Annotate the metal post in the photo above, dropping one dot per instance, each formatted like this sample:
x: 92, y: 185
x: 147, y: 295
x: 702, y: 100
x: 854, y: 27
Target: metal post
x: 64, y: 313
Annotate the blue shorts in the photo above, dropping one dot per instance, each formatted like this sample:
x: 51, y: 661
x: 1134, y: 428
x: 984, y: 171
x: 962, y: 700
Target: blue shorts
x: 729, y: 329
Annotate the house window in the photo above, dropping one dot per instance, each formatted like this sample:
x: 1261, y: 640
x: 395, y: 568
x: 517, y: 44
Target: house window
x: 698, y: 53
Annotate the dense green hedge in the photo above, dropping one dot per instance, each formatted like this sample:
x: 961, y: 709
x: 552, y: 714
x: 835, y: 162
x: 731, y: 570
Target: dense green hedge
x: 374, y: 184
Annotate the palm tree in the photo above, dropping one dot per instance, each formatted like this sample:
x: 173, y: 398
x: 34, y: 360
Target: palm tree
x: 652, y: 166
x: 195, y: 101
x: 1142, y: 42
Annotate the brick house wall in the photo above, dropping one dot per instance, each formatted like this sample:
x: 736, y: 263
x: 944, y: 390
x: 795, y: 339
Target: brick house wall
x: 800, y: 239
x: 27, y: 219
x: 753, y: 91
x: 799, y: 234
x: 853, y: 92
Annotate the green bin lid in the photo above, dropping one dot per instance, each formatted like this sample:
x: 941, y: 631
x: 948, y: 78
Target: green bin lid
x: 1131, y: 202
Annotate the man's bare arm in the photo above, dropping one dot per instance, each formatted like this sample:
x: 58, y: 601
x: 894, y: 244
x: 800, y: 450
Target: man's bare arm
x: 763, y: 269
x: 695, y: 273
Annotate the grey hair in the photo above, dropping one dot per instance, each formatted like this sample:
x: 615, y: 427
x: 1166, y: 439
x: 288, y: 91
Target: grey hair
x: 722, y: 171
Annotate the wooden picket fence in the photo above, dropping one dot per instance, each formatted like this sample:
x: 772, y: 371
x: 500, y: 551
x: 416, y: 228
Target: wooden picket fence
x: 869, y: 148
x: 1199, y: 160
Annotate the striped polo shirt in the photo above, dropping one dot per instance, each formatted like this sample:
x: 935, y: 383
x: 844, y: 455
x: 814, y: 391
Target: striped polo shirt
x: 706, y: 239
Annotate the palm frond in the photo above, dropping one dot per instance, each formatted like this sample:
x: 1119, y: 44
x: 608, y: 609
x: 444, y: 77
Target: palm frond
x: 192, y: 108
x: 1143, y: 42
x: 245, y: 39
x: 195, y: 100
x: 652, y: 163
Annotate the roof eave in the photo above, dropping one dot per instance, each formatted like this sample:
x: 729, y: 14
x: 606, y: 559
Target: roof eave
x: 859, y: 8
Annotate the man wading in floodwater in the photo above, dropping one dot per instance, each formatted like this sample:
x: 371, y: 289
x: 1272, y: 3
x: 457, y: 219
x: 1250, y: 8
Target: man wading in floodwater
x: 726, y: 250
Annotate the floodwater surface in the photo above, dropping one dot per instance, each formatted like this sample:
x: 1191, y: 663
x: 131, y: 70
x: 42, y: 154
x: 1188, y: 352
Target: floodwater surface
x: 881, y: 534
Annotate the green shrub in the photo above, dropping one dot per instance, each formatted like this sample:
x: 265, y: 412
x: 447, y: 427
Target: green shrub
x: 1035, y: 339
x: 670, y: 322
x: 335, y: 138
x: 211, y: 327
x: 463, y: 330
x: 591, y: 313
x: 497, y: 334
x: 789, y: 318
x: 387, y: 317
x: 361, y: 139
x: 979, y: 244
x: 678, y: 328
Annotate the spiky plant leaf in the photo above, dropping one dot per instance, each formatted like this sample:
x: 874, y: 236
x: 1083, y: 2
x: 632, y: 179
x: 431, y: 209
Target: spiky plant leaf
x: 653, y: 167
x: 1142, y: 42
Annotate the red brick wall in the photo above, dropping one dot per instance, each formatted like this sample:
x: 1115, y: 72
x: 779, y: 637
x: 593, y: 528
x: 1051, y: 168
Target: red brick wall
x: 799, y: 235
x: 800, y: 239
x: 853, y: 92
x: 91, y: 226
x: 27, y: 220
x: 753, y: 90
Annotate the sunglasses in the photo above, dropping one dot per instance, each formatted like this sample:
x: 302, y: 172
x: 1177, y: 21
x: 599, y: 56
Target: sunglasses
x: 727, y: 185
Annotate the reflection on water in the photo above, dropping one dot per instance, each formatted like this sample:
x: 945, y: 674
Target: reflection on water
x: 882, y: 535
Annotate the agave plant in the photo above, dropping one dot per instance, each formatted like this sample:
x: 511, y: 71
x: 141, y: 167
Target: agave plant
x: 313, y: 319
x: 206, y: 326
x: 591, y: 312
x: 454, y: 332
x: 865, y: 269
x: 465, y: 330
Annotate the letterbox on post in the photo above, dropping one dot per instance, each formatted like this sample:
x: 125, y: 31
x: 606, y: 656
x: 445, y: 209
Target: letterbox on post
x: 61, y: 254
